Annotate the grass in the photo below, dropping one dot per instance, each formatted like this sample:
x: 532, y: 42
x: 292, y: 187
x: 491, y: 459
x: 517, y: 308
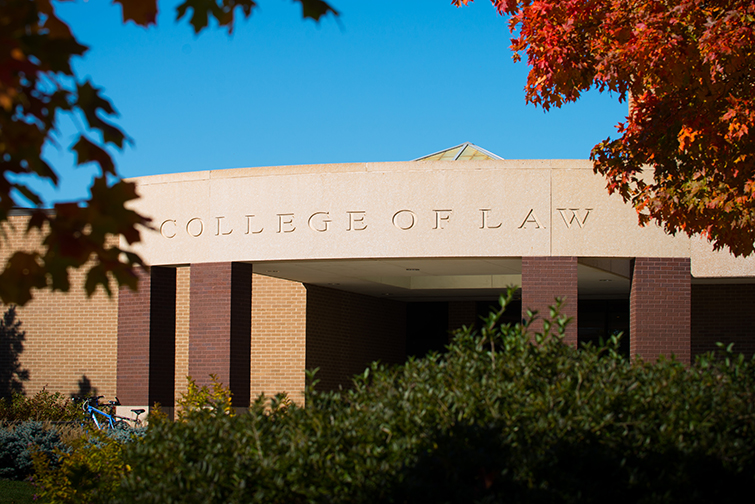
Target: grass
x: 16, y: 492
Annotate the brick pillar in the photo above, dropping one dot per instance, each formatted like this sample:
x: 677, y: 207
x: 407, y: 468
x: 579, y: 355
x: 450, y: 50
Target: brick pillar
x: 133, y: 343
x: 220, y: 326
x: 659, y: 308
x: 146, y: 339
x: 543, y: 280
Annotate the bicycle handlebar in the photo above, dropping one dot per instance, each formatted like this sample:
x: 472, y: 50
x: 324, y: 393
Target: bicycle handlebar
x: 95, y: 401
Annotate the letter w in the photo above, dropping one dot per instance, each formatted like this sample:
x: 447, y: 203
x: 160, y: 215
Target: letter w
x: 574, y: 216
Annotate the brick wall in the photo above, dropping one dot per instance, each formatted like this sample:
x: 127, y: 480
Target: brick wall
x: 346, y: 331
x: 71, y: 340
x: 182, y: 330
x: 544, y: 279
x: 724, y: 313
x: 659, y: 308
x: 279, y: 309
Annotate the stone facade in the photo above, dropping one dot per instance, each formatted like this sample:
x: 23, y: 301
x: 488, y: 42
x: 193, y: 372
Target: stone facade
x: 259, y: 274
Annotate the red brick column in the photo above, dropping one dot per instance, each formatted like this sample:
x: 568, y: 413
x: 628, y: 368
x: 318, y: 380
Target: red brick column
x: 543, y: 280
x: 220, y: 326
x: 133, y: 343
x: 659, y: 308
x: 146, y: 339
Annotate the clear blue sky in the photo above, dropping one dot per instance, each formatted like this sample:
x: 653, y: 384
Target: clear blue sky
x: 389, y: 81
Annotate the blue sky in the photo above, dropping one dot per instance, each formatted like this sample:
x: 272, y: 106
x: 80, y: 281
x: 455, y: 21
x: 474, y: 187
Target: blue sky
x: 389, y: 81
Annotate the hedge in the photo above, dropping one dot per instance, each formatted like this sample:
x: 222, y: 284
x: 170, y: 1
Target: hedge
x: 498, y: 418
x: 502, y: 416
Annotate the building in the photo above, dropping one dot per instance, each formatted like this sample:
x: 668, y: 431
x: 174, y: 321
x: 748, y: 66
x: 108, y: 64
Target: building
x: 260, y: 273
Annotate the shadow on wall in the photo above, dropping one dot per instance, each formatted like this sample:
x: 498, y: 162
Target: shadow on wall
x: 12, y: 337
x: 86, y: 388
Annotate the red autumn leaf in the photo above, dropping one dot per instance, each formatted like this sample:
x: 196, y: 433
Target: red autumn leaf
x: 141, y: 12
x: 687, y: 66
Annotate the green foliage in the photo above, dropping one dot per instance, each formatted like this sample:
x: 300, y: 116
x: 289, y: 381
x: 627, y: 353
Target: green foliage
x: 18, y: 443
x: 503, y: 416
x: 216, y: 398
x: 43, y: 406
x: 16, y: 492
x: 498, y: 418
x: 90, y: 470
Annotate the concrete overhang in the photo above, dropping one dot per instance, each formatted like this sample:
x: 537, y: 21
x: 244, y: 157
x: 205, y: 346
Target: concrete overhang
x: 412, y: 230
x: 425, y: 279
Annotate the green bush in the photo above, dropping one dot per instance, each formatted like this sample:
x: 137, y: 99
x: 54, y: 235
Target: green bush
x: 89, y: 470
x: 41, y: 407
x: 16, y: 492
x: 498, y: 418
x: 19, y: 442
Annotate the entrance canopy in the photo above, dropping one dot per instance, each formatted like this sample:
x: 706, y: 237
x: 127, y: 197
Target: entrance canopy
x: 447, y: 279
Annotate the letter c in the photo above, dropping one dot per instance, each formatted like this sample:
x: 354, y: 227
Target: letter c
x: 162, y: 228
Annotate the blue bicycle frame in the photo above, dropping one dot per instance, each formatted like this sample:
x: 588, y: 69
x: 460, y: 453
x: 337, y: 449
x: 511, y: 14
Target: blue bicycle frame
x: 106, y: 420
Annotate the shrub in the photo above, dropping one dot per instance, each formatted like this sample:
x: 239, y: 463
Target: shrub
x: 217, y: 398
x: 498, y: 418
x: 19, y: 442
x: 90, y: 470
x: 42, y: 407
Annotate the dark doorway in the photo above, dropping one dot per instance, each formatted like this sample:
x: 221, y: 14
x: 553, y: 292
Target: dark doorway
x: 512, y: 315
x: 601, y: 319
x: 426, y: 328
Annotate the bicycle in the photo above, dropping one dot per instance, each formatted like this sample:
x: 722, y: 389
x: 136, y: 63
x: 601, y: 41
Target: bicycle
x: 106, y: 420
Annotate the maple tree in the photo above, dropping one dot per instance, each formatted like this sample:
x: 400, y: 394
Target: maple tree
x: 37, y: 85
x: 688, y: 67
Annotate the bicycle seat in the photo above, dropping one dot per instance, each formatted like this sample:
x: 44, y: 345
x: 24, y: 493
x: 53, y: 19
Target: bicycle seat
x: 138, y: 412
